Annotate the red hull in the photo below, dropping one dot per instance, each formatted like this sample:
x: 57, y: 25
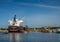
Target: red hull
x: 16, y: 31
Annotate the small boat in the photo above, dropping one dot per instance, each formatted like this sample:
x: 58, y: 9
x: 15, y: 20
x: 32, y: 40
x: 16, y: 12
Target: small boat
x: 5, y: 31
x: 58, y: 31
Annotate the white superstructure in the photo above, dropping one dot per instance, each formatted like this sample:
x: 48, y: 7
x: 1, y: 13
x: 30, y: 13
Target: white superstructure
x: 15, y: 22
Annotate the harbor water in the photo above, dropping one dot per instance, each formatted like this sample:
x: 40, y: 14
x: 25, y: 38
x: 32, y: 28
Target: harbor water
x: 30, y: 37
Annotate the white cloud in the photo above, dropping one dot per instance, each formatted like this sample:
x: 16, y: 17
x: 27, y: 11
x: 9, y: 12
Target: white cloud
x: 40, y: 5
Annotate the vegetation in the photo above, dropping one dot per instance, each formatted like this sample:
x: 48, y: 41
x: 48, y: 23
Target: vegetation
x: 3, y: 28
x: 35, y: 29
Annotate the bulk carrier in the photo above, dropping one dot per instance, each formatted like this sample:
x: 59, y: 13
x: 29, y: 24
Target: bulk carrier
x: 16, y: 25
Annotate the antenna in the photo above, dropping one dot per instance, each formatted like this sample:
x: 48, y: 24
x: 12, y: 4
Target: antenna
x: 23, y: 17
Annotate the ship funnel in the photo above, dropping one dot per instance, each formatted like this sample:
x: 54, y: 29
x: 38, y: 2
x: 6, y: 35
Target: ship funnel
x: 14, y: 18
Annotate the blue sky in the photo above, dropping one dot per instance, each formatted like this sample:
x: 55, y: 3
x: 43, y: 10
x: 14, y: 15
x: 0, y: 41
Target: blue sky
x: 35, y: 13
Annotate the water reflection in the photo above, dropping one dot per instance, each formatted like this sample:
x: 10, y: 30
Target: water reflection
x: 15, y: 37
x: 30, y: 37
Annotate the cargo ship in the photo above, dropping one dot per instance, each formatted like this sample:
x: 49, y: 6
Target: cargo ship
x: 16, y: 25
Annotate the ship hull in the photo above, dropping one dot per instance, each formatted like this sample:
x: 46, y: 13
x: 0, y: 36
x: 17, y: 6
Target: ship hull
x: 16, y: 29
x: 58, y: 31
